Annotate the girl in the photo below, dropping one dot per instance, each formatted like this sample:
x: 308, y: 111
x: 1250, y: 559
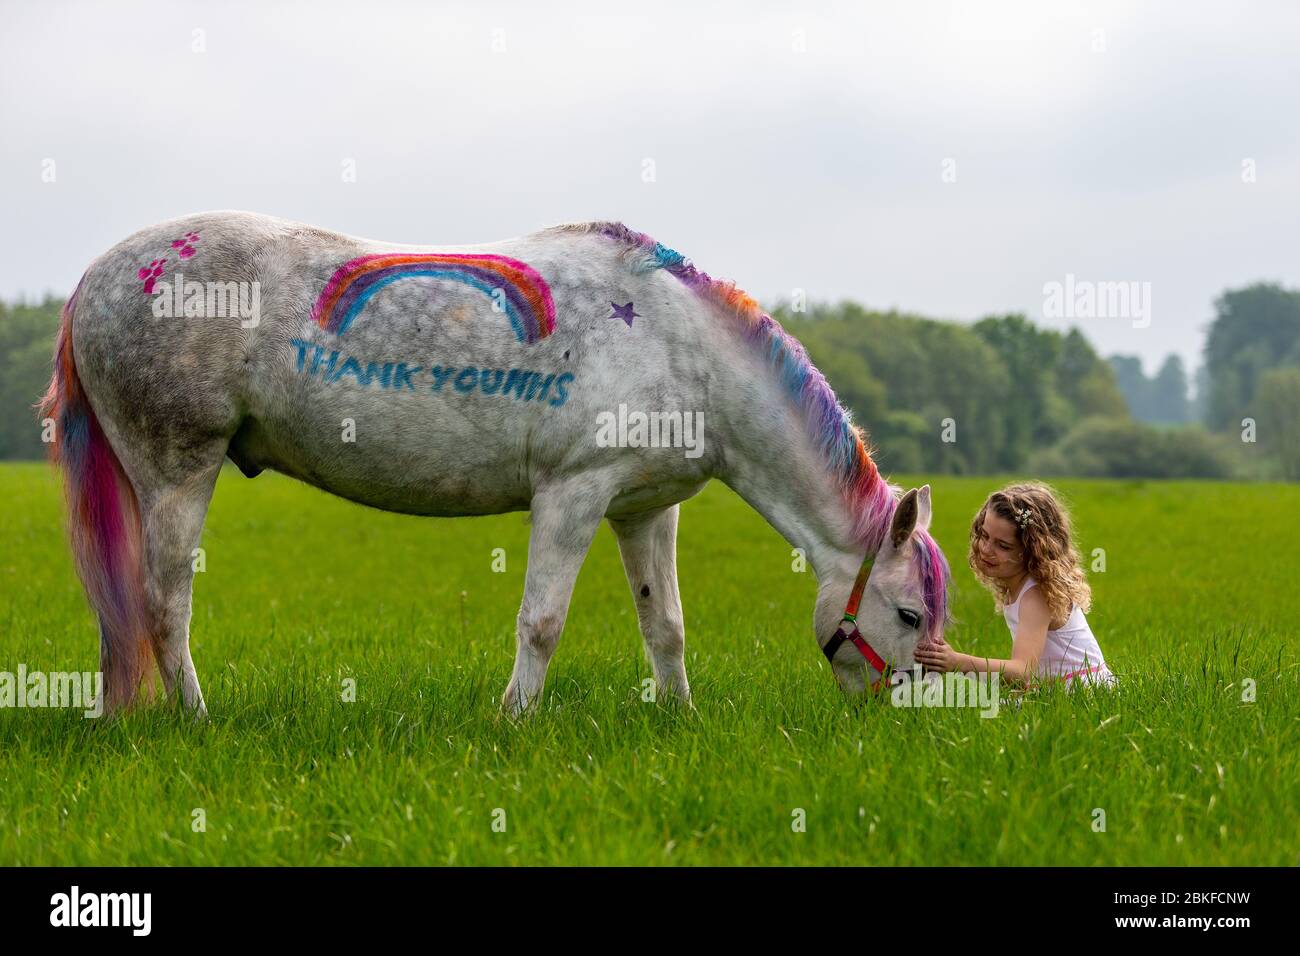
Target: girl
x: 1021, y: 550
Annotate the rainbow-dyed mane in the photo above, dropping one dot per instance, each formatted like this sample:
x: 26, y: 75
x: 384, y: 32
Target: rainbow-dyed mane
x: 841, y: 443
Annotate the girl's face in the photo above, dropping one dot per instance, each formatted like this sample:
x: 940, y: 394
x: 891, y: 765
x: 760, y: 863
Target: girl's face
x: 997, y: 550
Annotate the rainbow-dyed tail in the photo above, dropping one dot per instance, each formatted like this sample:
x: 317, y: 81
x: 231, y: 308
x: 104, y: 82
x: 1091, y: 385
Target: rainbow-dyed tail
x: 104, y: 525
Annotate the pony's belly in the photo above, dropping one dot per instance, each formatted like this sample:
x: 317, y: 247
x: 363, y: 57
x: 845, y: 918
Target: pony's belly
x: 385, y: 471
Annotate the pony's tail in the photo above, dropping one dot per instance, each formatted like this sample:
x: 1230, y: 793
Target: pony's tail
x: 104, y: 525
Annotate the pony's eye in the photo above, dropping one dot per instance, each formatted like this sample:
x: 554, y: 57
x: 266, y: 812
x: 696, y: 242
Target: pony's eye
x: 910, y: 618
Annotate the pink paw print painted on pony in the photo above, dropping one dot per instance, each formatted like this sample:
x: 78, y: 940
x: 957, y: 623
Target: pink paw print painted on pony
x: 151, y: 274
x: 186, y: 244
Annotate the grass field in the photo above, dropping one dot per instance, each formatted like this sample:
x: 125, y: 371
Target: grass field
x: 302, y: 591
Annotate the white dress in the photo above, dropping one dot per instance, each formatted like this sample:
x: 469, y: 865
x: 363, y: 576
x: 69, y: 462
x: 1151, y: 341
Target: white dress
x: 1072, y: 652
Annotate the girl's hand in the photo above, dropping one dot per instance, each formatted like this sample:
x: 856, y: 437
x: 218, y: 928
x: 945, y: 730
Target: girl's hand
x: 936, y: 655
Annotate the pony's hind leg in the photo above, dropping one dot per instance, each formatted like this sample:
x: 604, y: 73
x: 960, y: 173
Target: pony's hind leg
x: 648, y: 544
x: 172, y: 517
x: 564, y: 522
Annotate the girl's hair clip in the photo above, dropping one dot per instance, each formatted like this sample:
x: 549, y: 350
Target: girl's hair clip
x: 1023, y: 517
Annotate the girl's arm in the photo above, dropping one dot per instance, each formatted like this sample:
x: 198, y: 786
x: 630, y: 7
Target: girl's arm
x: 1027, y: 647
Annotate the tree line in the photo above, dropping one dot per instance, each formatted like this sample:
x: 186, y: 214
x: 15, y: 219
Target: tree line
x: 1003, y: 395
x: 997, y: 395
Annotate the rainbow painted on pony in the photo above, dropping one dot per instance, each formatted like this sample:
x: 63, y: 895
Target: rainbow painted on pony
x: 871, y: 499
x: 522, y: 293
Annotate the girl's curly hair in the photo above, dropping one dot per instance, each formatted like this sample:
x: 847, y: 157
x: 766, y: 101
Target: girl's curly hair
x: 1043, y: 530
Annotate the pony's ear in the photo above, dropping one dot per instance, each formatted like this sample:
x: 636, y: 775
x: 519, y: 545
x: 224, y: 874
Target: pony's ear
x: 904, y: 519
x: 923, y: 508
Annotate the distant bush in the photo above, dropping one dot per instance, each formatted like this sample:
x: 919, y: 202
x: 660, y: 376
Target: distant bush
x: 1114, y: 448
x: 1278, y: 398
x: 26, y: 360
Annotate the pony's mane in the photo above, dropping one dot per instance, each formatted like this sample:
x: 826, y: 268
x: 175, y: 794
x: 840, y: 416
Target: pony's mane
x: 842, y: 444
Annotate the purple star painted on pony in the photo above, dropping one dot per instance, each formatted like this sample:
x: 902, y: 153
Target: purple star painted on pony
x: 624, y: 312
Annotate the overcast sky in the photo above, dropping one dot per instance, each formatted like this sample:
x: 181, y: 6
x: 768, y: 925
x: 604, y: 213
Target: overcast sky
x: 943, y: 158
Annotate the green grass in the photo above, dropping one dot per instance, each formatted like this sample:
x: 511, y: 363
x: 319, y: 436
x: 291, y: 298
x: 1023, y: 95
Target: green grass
x: 303, y: 590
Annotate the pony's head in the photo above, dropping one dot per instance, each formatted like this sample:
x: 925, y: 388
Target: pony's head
x: 897, y: 600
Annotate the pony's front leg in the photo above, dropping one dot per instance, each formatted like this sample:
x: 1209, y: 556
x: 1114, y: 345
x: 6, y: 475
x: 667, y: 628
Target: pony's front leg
x: 564, y: 522
x: 648, y: 544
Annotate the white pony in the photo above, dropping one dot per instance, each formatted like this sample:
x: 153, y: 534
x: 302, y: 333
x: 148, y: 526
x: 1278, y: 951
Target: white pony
x: 584, y: 372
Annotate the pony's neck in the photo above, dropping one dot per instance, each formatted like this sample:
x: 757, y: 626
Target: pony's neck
x: 780, y: 473
x: 796, y: 496
x: 793, y: 491
x: 784, y: 433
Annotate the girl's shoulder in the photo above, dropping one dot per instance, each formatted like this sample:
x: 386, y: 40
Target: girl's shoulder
x: 1024, y: 589
x: 1032, y: 600
x: 1037, y: 600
